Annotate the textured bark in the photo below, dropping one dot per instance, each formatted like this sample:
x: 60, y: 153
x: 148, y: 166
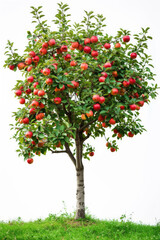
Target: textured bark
x: 80, y: 207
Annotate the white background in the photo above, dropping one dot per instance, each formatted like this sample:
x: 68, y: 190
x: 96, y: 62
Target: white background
x: 126, y: 182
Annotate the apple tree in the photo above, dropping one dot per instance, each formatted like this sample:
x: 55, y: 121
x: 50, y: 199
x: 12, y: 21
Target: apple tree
x: 77, y: 82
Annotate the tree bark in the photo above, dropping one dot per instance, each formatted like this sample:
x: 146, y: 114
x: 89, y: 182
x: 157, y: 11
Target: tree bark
x: 80, y: 207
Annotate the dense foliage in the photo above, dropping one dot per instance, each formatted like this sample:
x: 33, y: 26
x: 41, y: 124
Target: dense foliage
x: 78, y: 82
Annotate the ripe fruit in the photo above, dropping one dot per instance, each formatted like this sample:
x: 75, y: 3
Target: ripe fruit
x: 41, y: 105
x: 108, y: 144
x: 107, y: 45
x: 94, y: 53
x: 100, y: 118
x: 87, y: 49
x: 90, y: 114
x: 104, y: 74
x: 45, y: 45
x: 41, y: 143
x: 30, y: 160
x: 119, y: 135
x: 29, y: 134
x: 22, y: 101
x: 84, y: 66
x: 32, y: 111
x: 35, y: 103
x: 83, y: 116
x: 96, y: 107
x: 101, y: 100
x: 25, y: 120
x: 133, y: 55
x: 43, y: 51
x: 141, y: 103
x: 117, y: 45
x: 35, y: 59
x: 91, y: 154
x: 63, y: 48
x: 112, y: 121
x: 32, y: 54
x: 29, y: 69
x: 126, y: 38
x: 107, y: 65
x: 102, y: 79
x: 73, y: 63
x: 132, y: 81
x: 28, y: 91
x: 11, y: 67
x: 49, y: 81
x: 130, y: 134
x: 137, y: 107
x: 133, y: 107
x: 112, y: 149
x: 94, y: 39
x: 115, y: 74
x: 57, y: 100
x: 87, y: 41
x: 28, y: 61
x: 51, y: 42
x: 30, y: 79
x: 46, y: 71
x: 95, y: 98
x: 115, y: 130
x: 104, y: 125
x: 75, y: 84
x: 67, y: 57
x: 41, y: 93
x: 122, y: 107
x: 40, y: 116
x: 114, y: 91
x: 21, y: 66
x: 75, y: 45
x: 126, y: 84
x: 18, y: 92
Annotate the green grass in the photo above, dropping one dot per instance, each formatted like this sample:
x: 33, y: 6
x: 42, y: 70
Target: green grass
x: 64, y: 227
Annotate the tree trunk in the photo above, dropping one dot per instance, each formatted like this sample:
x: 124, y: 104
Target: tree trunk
x: 80, y: 207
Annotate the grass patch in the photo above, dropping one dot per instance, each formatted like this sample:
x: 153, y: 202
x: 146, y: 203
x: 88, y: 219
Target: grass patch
x: 65, y: 227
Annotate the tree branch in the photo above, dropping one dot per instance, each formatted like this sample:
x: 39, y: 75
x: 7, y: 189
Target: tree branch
x: 63, y: 151
x: 84, y: 139
x: 86, y: 125
x: 68, y: 151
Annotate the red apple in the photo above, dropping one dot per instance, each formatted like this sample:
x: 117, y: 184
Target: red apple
x: 107, y: 65
x: 36, y: 59
x: 96, y: 107
x: 21, y: 66
x: 32, y: 111
x: 104, y: 74
x: 73, y: 63
x: 35, y: 91
x: 29, y: 68
x: 95, y: 98
x: 28, y: 91
x: 115, y: 131
x: 141, y: 103
x: 67, y: 57
x: 117, y: 45
x: 94, y: 53
x: 30, y: 79
x: 87, y: 41
x: 115, y: 74
x: 57, y: 100
x: 126, y: 38
x: 130, y: 134
x: 133, y: 107
x: 104, y: 125
x: 43, y: 51
x: 51, y: 42
x: 114, y: 91
x: 101, y: 100
x: 46, y: 71
x: 35, y: 103
x: 126, y: 84
x: 94, y: 39
x: 49, y: 81
x: 87, y: 49
x: 44, y: 45
x: 119, y: 135
x: 90, y: 114
x: 41, y: 93
x: 35, y: 84
x: 107, y: 45
x: 28, y: 61
x: 29, y: 134
x: 84, y: 66
x: 132, y: 81
x: 41, y: 105
x: 112, y: 149
x: 18, y: 92
x: 22, y: 101
x: 32, y: 54
x: 112, y: 121
x: 122, y: 107
x: 63, y: 48
x: 102, y: 79
x: 91, y: 154
x: 83, y: 116
x: 30, y: 160
x: 100, y: 118
x: 26, y: 120
x: 75, y: 45
x: 11, y: 67
x: 133, y: 55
